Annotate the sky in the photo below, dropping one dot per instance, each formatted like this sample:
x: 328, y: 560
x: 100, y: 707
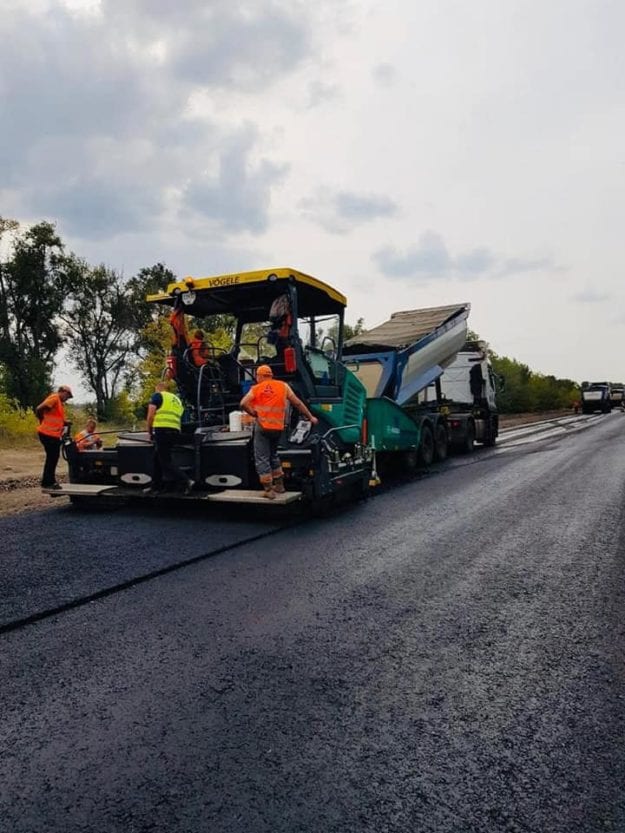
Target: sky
x: 411, y: 153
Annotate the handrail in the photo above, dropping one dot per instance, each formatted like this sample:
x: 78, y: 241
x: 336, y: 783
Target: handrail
x: 339, y: 428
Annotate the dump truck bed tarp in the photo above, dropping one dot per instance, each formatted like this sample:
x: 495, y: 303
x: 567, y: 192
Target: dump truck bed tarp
x: 406, y: 327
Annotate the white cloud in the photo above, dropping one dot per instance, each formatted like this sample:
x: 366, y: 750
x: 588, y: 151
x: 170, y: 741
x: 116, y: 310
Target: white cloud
x: 430, y: 260
x: 219, y: 136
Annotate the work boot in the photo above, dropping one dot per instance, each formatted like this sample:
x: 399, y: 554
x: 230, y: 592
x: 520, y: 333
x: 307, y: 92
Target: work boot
x: 269, y: 492
x: 267, y: 484
x: 278, y: 485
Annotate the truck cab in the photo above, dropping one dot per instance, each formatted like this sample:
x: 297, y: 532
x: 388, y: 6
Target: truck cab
x: 596, y: 396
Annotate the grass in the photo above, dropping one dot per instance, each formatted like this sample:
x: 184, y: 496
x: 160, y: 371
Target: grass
x: 18, y: 428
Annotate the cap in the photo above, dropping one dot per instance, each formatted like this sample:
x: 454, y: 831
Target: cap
x: 66, y: 389
x: 264, y: 370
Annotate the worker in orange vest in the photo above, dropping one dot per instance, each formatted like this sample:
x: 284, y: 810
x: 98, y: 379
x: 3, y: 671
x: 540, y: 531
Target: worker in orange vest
x: 88, y: 439
x: 267, y: 401
x: 52, y: 423
x: 198, y: 349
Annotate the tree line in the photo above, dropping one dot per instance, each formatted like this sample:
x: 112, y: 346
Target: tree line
x: 53, y: 300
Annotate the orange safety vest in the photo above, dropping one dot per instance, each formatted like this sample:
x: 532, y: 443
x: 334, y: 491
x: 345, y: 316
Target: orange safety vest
x: 53, y: 420
x: 198, y: 352
x: 84, y: 440
x: 270, y: 403
x: 180, y: 338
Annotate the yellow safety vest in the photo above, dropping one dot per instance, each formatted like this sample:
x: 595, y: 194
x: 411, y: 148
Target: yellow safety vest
x: 170, y: 412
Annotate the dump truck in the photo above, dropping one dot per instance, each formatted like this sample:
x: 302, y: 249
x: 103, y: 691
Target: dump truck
x: 279, y: 317
x: 596, y: 396
x: 415, y: 411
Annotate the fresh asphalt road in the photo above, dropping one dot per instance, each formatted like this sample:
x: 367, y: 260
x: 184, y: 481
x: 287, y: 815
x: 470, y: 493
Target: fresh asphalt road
x: 447, y: 657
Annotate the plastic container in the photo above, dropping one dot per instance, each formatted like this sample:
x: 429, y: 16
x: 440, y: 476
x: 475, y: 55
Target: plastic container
x: 234, y: 420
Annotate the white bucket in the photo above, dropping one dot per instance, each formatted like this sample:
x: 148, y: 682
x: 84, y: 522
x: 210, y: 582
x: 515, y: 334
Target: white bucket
x: 234, y: 420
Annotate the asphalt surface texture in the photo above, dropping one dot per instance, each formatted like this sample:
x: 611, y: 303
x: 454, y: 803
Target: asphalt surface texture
x: 447, y: 656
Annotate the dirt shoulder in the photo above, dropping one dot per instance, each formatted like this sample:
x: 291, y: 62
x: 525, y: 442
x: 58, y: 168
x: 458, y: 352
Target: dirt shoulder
x: 20, y: 476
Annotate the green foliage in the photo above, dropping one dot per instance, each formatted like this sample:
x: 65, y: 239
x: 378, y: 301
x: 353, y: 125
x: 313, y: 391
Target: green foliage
x: 219, y: 329
x: 121, y: 410
x: 350, y: 331
x: 526, y: 391
x: 18, y: 426
x: 99, y: 329
x: 156, y: 338
x: 148, y: 281
x: 32, y: 285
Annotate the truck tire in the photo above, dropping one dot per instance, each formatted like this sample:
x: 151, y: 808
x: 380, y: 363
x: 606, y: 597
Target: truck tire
x: 426, y: 447
x: 469, y: 441
x: 410, y: 460
x: 490, y: 437
x: 441, y: 442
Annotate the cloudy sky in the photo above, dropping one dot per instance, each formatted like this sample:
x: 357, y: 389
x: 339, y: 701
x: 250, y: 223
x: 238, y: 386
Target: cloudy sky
x: 411, y: 153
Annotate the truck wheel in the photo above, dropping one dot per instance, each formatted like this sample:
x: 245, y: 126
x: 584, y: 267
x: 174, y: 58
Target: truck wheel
x: 410, y: 460
x: 469, y: 440
x: 490, y: 438
x: 426, y: 448
x: 441, y: 445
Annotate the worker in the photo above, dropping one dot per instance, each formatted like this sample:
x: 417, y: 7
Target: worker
x: 198, y: 349
x: 267, y: 401
x: 88, y: 439
x: 52, y: 426
x: 164, y: 416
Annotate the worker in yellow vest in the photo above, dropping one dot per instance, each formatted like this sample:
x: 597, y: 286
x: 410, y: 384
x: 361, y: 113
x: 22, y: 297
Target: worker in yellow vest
x: 164, y: 416
x: 267, y: 401
x: 52, y: 423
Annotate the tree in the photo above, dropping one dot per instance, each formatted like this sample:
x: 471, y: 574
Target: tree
x: 99, y: 328
x: 356, y: 330
x: 32, y: 294
x: 148, y: 281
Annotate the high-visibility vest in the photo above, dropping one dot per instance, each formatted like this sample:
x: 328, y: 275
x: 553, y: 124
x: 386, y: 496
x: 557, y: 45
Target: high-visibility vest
x: 170, y: 412
x: 84, y: 440
x: 198, y: 351
x: 270, y: 403
x: 53, y: 420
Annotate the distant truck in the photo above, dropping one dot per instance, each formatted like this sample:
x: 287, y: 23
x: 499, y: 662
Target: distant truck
x: 617, y: 395
x: 596, y: 396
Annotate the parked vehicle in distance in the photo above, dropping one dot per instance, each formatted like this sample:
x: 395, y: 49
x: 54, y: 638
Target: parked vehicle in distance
x: 596, y: 396
x: 617, y: 392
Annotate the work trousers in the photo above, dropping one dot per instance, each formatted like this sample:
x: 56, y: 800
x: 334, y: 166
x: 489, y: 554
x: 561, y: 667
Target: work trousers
x: 266, y: 457
x: 52, y: 446
x: 164, y: 469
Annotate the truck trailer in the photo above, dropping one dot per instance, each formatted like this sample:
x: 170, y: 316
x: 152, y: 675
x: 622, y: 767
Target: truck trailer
x: 428, y: 389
